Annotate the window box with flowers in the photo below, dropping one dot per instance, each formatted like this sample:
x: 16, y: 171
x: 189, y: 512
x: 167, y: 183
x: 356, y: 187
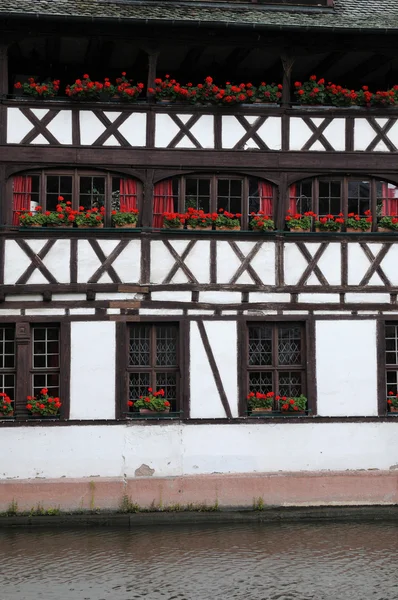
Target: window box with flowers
x: 392, y: 402
x: 28, y: 218
x: 299, y: 223
x: 31, y: 88
x: 388, y: 224
x: 43, y: 405
x: 93, y: 218
x: 172, y: 220
x: 63, y: 216
x: 125, y: 219
x: 154, y: 404
x: 6, y: 406
x: 259, y: 403
x: 198, y: 220
x: 357, y: 224
x: 329, y: 223
x: 125, y: 90
x: 227, y: 221
x: 261, y: 222
x: 311, y: 92
x: 268, y: 93
x: 84, y: 89
x: 166, y: 90
x: 296, y: 406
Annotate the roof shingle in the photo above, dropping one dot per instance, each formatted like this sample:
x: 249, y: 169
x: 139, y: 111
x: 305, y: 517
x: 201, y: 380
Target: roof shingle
x: 348, y: 14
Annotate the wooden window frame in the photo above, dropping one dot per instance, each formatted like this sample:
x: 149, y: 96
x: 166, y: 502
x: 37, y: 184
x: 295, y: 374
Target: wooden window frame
x: 24, y: 353
x: 213, y: 178
x: 123, y: 370
x: 6, y: 371
x: 308, y: 366
x: 316, y: 180
x: 76, y: 174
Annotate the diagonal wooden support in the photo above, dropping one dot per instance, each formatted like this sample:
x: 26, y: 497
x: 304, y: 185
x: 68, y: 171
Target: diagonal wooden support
x: 317, y: 134
x: 245, y: 262
x: 251, y: 133
x: 112, y: 128
x: 179, y: 262
x: 36, y: 261
x: 375, y: 264
x: 381, y: 134
x: 185, y: 130
x: 312, y: 263
x: 39, y: 126
x: 106, y: 262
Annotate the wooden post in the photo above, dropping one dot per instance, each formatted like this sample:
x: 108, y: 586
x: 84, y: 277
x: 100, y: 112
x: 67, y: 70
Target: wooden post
x: 3, y: 69
x: 287, y: 62
x: 152, y: 64
x: 148, y: 199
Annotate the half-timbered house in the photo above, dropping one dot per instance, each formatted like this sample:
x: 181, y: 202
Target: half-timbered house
x: 98, y: 315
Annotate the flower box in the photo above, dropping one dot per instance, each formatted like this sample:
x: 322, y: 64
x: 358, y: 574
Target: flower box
x: 319, y: 230
x: 88, y: 226
x: 261, y: 410
x: 299, y: 230
x: 224, y: 228
x: 385, y: 230
x: 153, y: 413
x: 126, y: 226
x: 207, y: 228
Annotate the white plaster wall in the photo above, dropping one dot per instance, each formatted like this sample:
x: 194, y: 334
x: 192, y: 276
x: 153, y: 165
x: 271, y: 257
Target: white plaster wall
x: 92, y: 393
x: 18, y: 126
x: 118, y: 450
x: 205, y: 401
x: 346, y: 368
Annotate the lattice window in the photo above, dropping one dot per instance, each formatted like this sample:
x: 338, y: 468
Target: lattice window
x: 46, y: 359
x: 7, y: 360
x: 153, y: 360
x: 330, y: 198
x: 391, y: 357
x: 276, y: 358
x: 358, y: 197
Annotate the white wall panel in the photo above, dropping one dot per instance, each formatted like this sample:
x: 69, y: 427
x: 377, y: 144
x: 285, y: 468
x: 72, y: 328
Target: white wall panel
x: 346, y: 368
x: 115, y: 451
x: 93, y: 347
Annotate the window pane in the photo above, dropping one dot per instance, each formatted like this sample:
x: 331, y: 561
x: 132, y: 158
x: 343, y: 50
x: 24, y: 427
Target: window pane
x: 167, y: 382
x: 57, y: 185
x: 197, y: 194
x: 391, y: 344
x: 290, y: 383
x: 140, y: 346
x: 166, y: 346
x: 138, y: 385
x: 46, y: 380
x: 45, y: 347
x: 330, y: 197
x: 260, y: 345
x: 392, y: 381
x: 92, y: 192
x: 229, y: 195
x: 289, y: 346
x: 7, y: 385
x: 358, y: 196
x: 7, y: 348
x: 387, y: 199
x: 260, y: 382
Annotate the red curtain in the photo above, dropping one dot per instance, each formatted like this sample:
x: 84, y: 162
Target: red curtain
x: 265, y: 192
x: 128, y: 194
x: 22, y: 188
x: 162, y: 201
x: 390, y: 200
x: 292, y: 198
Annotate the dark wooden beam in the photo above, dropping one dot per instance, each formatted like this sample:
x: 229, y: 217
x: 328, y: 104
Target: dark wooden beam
x: 287, y: 63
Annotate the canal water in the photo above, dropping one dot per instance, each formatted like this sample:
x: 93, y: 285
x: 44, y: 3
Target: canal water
x: 320, y: 561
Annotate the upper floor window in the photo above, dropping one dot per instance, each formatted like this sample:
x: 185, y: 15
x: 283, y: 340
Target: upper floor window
x: 334, y: 195
x: 82, y: 188
x: 235, y: 194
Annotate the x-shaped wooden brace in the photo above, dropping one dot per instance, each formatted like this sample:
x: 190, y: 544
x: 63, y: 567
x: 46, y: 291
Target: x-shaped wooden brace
x: 39, y: 126
x: 245, y: 262
x: 375, y: 262
x: 37, y: 261
x: 184, y: 130
x: 106, y: 262
x: 312, y: 261
x: 111, y: 128
x: 317, y: 134
x: 251, y: 133
x: 381, y: 134
x: 179, y: 262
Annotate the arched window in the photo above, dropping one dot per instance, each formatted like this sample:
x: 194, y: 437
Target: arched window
x: 82, y: 187
x: 334, y: 195
x: 233, y: 193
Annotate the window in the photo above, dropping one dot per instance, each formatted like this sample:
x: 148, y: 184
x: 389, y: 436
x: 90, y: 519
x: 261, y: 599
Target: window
x: 7, y: 360
x: 82, y: 188
x: 45, y: 359
x: 153, y: 361
x: 344, y: 195
x: 210, y: 193
x: 30, y: 359
x: 391, y: 358
x: 275, y: 358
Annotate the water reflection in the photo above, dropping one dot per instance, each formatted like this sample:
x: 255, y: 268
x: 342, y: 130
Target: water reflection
x: 218, y: 562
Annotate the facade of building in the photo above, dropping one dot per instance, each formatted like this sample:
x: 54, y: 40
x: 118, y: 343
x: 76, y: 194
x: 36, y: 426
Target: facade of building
x: 98, y: 315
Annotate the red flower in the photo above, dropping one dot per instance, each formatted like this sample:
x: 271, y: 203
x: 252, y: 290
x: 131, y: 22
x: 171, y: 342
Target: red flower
x: 130, y: 403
